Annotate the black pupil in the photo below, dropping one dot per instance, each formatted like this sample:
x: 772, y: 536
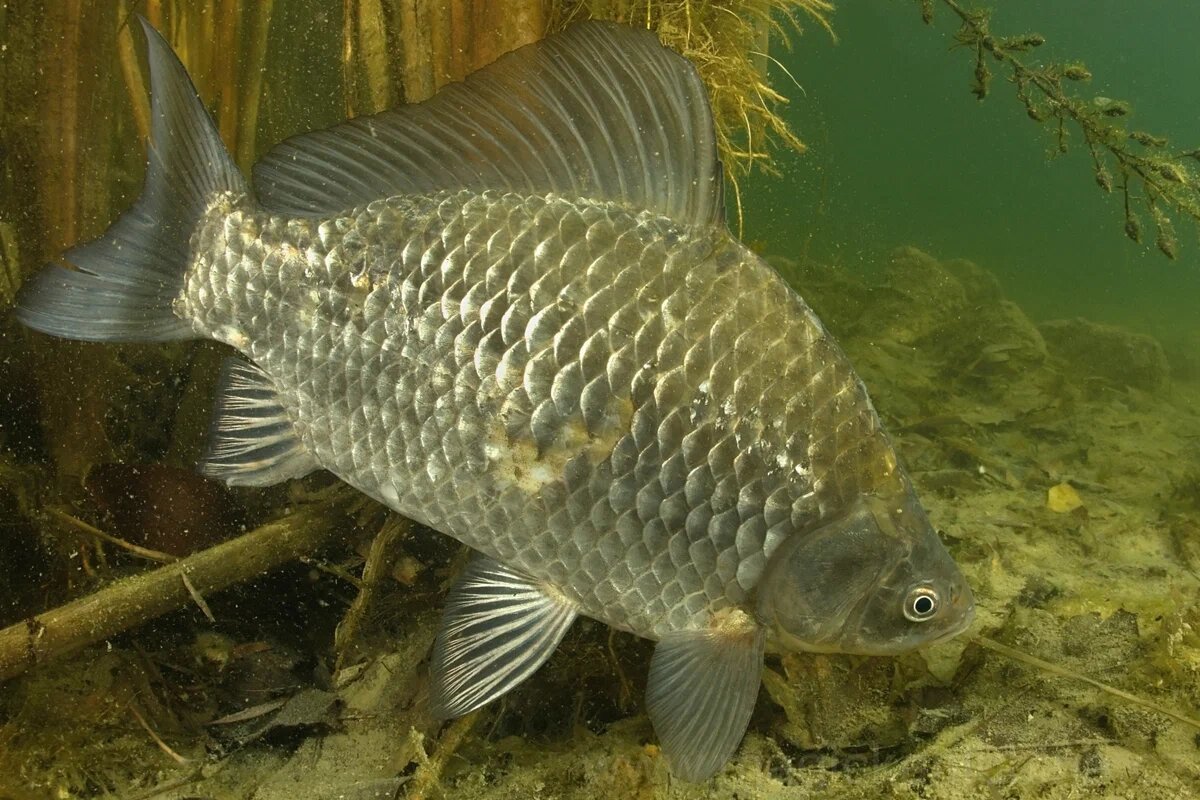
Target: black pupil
x: 923, y: 605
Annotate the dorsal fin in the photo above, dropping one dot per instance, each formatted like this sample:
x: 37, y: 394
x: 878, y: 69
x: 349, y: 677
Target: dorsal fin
x: 601, y: 111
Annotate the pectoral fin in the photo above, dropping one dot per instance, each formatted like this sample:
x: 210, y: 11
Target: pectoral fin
x: 252, y: 441
x: 498, y: 628
x: 701, y: 692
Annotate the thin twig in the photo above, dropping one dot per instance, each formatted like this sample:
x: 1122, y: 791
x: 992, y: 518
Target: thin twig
x: 197, y: 597
x: 429, y: 772
x: 166, y: 748
x: 174, y: 783
x: 144, y: 552
x: 1058, y: 669
x: 1038, y: 746
x: 246, y: 714
x: 383, y: 553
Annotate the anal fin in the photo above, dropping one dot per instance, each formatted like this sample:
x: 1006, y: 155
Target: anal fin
x: 498, y: 628
x: 252, y: 441
x: 701, y: 692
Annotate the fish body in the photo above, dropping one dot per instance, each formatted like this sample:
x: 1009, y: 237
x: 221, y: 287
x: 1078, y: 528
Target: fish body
x: 593, y: 396
x: 550, y: 348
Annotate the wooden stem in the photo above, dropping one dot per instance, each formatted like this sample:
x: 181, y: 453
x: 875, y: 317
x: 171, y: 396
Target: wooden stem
x: 132, y: 601
x: 254, y: 69
x: 384, y: 550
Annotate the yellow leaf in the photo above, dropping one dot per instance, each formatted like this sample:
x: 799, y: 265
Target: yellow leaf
x: 1063, y: 498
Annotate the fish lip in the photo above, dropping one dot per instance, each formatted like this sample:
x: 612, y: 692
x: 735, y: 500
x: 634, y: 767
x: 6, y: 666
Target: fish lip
x: 964, y: 622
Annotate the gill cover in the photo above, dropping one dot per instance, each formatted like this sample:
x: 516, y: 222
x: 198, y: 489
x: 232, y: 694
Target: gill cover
x: 874, y: 581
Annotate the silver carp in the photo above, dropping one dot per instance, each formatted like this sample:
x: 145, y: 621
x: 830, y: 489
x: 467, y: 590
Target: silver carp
x: 514, y: 313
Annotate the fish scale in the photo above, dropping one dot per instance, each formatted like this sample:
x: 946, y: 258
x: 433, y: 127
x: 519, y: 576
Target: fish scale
x: 630, y: 470
x: 534, y: 332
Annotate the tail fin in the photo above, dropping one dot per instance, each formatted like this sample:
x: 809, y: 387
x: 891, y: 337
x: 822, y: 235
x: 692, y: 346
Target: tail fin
x: 121, y: 286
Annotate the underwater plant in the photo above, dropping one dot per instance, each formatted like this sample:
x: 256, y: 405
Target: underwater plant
x: 1148, y: 171
x: 730, y: 45
x: 77, y: 417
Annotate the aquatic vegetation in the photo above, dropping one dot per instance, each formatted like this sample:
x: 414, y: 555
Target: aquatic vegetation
x: 730, y: 43
x: 977, y: 395
x: 1121, y: 357
x: 1149, y: 173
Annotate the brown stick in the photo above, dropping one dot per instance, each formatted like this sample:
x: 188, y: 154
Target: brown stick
x: 135, y: 600
x: 429, y: 769
x: 1058, y: 669
x: 384, y: 549
x: 252, y: 89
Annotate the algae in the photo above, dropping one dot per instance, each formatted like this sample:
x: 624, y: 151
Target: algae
x: 1150, y: 173
x: 730, y: 45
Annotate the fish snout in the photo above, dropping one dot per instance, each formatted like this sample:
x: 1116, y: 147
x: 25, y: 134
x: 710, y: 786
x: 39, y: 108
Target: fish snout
x: 962, y: 608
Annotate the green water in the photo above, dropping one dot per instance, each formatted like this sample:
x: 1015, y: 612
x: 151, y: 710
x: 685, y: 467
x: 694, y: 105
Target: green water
x: 902, y: 153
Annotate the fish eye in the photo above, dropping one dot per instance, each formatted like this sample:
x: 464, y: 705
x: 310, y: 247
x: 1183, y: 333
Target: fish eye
x: 921, y: 604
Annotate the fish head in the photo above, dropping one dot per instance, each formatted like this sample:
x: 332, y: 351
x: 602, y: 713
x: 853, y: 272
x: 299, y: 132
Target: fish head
x: 875, y: 580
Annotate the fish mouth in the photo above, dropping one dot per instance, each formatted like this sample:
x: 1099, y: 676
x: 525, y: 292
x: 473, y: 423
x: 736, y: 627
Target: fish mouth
x: 961, y: 625
x: 955, y: 626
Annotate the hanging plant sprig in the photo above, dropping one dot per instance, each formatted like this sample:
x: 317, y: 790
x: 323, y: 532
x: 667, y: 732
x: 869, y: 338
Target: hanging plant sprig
x: 1150, y: 176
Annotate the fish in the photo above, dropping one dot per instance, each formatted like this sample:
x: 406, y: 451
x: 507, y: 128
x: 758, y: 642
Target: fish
x: 515, y: 314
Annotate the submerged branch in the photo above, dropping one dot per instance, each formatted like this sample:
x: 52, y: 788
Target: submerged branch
x: 133, y: 601
x: 1167, y: 185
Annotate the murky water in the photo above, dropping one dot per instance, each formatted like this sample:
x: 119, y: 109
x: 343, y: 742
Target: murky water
x: 1039, y: 373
